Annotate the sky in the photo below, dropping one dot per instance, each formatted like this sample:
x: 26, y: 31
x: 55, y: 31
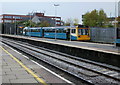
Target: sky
x: 66, y: 9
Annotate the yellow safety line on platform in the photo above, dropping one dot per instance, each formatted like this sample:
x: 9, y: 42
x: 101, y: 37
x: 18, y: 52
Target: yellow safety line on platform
x: 27, y: 69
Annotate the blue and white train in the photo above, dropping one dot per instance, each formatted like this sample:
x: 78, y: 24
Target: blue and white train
x: 67, y: 32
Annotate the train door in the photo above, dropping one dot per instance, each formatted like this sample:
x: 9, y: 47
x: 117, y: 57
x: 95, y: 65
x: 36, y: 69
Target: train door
x: 42, y: 32
x: 68, y: 34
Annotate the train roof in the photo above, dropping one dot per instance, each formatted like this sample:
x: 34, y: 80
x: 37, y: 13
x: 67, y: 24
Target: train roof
x: 32, y: 28
x: 59, y: 27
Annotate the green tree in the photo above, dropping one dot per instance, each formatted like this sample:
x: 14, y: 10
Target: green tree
x: 26, y: 23
x: 29, y: 23
x: 95, y: 18
x: 86, y: 19
x: 118, y: 19
x: 102, y: 19
x: 44, y: 24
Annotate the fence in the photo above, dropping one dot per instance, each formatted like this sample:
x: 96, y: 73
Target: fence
x: 106, y: 35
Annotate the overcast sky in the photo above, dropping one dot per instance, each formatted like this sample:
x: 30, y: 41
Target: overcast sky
x: 67, y: 9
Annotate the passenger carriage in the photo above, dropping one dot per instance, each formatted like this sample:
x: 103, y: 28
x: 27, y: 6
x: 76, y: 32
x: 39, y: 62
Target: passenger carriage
x: 33, y: 32
x: 63, y: 32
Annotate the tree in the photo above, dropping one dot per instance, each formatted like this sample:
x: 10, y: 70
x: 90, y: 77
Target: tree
x: 95, y: 18
x: 86, y: 19
x: 44, y: 24
x: 68, y: 21
x: 118, y: 19
x: 29, y: 23
x: 76, y: 21
x: 102, y: 19
x: 71, y: 21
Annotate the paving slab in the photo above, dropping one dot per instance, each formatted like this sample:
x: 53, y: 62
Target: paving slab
x: 0, y: 79
x: 12, y: 72
x: 7, y: 77
x: 5, y: 81
x: 32, y: 80
x: 22, y: 76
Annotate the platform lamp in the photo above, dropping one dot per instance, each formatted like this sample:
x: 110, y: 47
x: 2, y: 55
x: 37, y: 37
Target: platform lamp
x: 55, y: 5
x: 115, y: 24
x: 15, y: 24
x: 30, y: 15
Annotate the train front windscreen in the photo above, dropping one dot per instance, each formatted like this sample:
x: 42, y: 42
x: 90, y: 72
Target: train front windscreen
x: 83, y: 32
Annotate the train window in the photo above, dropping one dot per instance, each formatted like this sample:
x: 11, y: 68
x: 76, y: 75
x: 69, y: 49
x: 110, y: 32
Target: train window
x: 56, y: 30
x: 73, y: 31
x: 44, y: 30
x: 47, y: 30
x: 39, y: 30
x: 86, y: 31
x: 79, y: 31
x: 63, y: 31
x: 34, y: 30
x: 28, y: 30
x: 60, y: 30
x: 83, y: 31
x: 53, y: 30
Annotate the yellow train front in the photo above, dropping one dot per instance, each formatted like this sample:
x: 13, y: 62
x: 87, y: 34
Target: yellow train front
x: 80, y: 33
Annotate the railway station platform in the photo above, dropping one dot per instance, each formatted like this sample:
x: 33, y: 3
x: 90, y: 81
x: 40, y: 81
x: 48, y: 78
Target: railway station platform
x: 103, y: 53
x: 107, y: 48
x: 17, y: 68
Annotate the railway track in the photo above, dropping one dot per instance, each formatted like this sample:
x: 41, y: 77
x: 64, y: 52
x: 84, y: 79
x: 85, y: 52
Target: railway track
x: 91, y: 72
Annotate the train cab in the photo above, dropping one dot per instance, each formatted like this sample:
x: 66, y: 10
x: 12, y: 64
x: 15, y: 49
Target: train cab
x: 80, y: 32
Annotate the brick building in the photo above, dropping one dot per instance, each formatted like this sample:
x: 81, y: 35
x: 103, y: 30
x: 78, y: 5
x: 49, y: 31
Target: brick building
x: 9, y: 25
x: 11, y: 18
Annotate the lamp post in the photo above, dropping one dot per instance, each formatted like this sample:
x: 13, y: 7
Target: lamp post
x: 15, y: 25
x: 30, y: 22
x: 55, y: 5
x: 115, y: 24
x: 10, y: 31
x: 71, y: 24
